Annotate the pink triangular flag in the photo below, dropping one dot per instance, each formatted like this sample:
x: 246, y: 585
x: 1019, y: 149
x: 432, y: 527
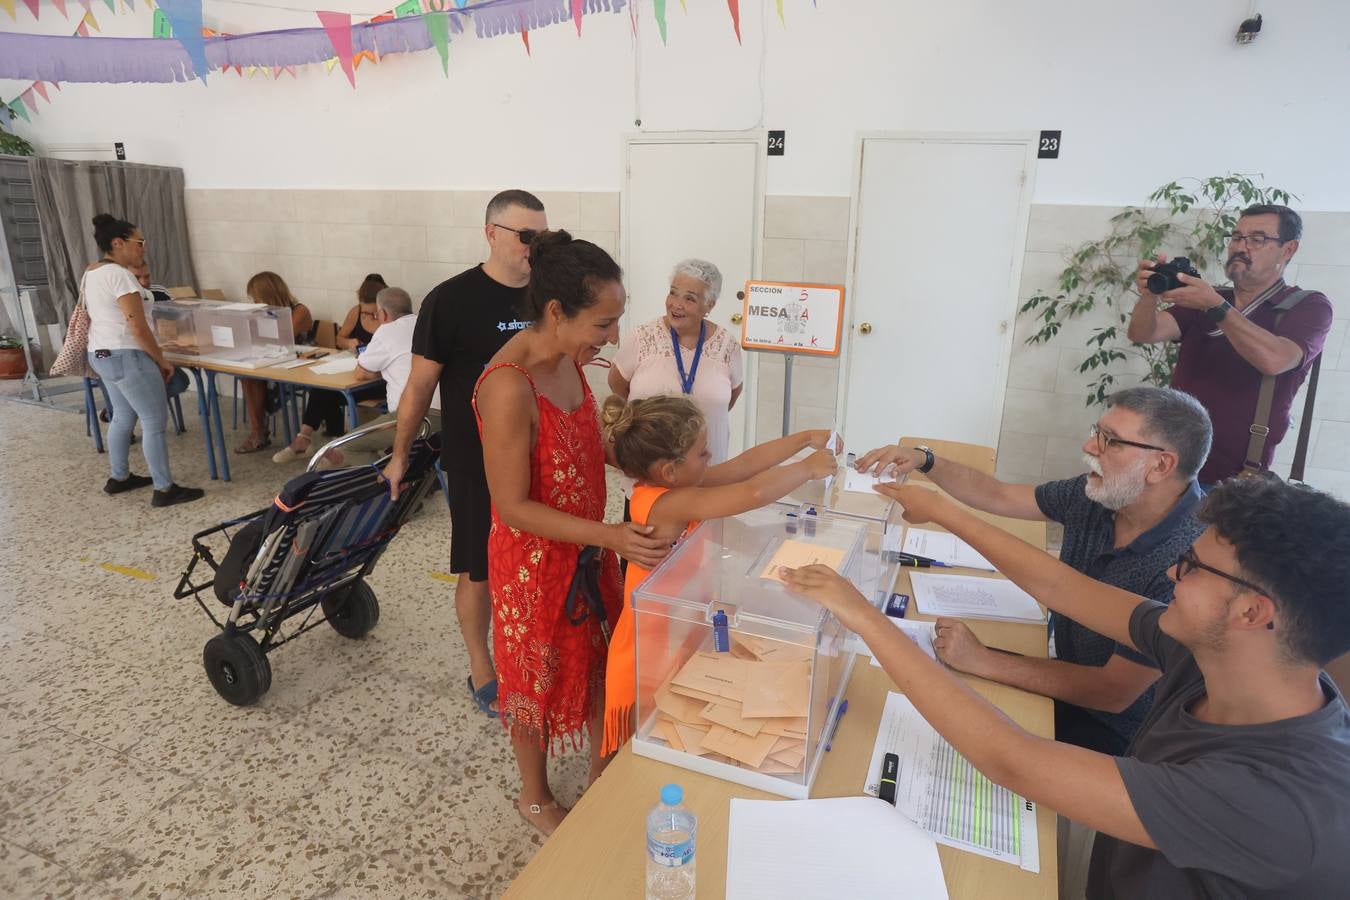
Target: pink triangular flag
x: 32, y: 7
x: 338, y: 25
x: 735, y: 7
x: 578, y: 7
x: 42, y: 90
x: 61, y: 8
x: 83, y: 30
x: 28, y: 98
x: 525, y: 36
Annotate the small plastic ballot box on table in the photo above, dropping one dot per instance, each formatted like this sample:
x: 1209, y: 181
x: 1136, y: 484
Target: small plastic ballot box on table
x: 249, y: 335
x: 173, y: 323
x: 761, y: 711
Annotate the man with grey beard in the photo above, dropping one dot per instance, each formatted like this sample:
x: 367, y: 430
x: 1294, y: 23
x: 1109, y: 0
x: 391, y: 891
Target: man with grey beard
x: 1125, y: 523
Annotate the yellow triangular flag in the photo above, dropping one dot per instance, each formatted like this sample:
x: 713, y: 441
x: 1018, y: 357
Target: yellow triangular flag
x: 8, y: 6
x: 331, y: 64
x: 92, y: 22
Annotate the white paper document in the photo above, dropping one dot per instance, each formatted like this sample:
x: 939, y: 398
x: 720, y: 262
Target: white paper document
x: 293, y: 364
x: 222, y: 335
x: 335, y: 365
x: 240, y: 306
x: 972, y: 597
x: 826, y: 849
x: 938, y: 790
x: 944, y: 547
x: 268, y: 328
x: 861, y: 482
x: 921, y: 633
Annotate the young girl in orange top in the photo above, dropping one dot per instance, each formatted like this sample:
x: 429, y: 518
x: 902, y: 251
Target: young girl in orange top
x: 663, y: 443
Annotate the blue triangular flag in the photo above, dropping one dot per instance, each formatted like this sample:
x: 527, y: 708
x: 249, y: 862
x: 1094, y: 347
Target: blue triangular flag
x: 185, y: 16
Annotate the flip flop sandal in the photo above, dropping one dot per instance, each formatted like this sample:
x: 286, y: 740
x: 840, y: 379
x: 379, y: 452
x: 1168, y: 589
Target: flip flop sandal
x: 253, y: 446
x: 536, y: 809
x: 484, y: 697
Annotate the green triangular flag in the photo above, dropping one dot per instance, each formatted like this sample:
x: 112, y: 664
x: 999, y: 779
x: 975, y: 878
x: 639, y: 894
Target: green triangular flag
x: 112, y: 5
x: 438, y: 28
x: 659, y: 7
x: 17, y: 107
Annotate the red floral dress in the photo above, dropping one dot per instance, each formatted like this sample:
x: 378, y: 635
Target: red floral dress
x: 551, y: 673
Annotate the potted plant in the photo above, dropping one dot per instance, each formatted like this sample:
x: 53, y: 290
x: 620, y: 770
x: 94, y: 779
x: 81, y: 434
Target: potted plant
x: 12, y: 363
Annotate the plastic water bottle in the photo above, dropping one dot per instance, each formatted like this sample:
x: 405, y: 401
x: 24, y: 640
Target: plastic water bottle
x: 671, y: 829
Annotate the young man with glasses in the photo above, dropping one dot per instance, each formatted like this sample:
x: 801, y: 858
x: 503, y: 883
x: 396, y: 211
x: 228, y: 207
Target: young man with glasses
x: 461, y: 325
x: 1234, y: 337
x: 1238, y: 782
x: 1124, y: 522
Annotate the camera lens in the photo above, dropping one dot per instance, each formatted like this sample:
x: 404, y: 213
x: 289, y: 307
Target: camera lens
x: 1159, y: 283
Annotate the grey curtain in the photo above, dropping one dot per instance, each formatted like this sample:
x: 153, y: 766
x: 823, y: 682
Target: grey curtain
x: 70, y: 193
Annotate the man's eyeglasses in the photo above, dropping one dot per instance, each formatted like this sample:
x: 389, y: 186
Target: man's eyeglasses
x: 1188, y: 562
x: 1105, y: 440
x: 525, y: 234
x: 1252, y: 240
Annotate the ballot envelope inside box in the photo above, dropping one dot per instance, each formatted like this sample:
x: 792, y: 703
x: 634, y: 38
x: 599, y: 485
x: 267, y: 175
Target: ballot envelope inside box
x: 761, y: 711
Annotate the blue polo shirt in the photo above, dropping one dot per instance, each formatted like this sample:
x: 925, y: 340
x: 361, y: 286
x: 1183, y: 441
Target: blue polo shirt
x: 1139, y: 567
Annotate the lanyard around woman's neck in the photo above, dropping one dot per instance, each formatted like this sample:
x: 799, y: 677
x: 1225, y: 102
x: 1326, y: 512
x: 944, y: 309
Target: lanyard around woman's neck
x: 687, y: 381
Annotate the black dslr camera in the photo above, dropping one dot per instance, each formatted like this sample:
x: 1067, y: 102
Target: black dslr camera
x: 1164, y: 277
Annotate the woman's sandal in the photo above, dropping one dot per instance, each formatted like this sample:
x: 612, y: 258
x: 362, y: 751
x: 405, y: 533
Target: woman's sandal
x: 537, y: 809
x: 484, y: 697
x: 253, y: 445
x: 290, y: 454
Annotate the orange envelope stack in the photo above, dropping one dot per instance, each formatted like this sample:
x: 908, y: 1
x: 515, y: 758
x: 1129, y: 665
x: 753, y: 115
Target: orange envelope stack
x: 747, y: 707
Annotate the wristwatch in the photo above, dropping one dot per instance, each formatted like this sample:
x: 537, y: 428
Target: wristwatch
x: 928, y: 460
x: 1216, y: 313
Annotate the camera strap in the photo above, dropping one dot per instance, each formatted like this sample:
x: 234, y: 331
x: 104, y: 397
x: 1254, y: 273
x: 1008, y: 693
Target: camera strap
x: 1265, y: 399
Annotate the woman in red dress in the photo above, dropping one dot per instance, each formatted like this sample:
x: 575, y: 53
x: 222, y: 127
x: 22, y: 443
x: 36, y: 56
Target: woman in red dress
x: 546, y: 472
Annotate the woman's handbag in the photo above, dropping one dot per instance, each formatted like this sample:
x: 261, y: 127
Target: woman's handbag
x: 74, y: 356
x: 584, y: 591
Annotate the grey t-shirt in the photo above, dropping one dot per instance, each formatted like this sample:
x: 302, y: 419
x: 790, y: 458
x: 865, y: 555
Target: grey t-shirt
x: 1257, y: 811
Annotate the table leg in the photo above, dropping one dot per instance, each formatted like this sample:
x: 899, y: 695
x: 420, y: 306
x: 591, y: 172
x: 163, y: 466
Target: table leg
x: 213, y: 402
x: 203, y: 411
x: 91, y: 415
x: 353, y: 421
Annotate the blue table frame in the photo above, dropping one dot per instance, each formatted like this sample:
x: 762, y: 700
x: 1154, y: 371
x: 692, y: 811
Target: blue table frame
x: 208, y: 406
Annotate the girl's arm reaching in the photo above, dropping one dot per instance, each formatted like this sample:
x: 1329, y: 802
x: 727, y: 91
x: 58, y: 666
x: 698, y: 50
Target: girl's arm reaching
x: 682, y: 505
x: 765, y: 456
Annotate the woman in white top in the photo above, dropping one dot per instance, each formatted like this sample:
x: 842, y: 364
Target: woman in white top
x: 682, y: 352
x: 128, y: 360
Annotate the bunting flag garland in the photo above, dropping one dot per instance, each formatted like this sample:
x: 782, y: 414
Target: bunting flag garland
x: 438, y: 29
x: 338, y: 27
x: 735, y: 7
x: 185, y: 17
x: 659, y: 7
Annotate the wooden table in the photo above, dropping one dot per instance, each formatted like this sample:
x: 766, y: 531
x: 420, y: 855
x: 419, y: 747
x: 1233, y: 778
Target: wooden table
x: 599, y: 851
x: 204, y: 372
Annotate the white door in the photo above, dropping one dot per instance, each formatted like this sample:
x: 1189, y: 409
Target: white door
x: 693, y: 196
x: 938, y: 233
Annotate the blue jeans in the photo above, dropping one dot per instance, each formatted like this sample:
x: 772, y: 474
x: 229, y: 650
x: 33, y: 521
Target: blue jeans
x: 136, y: 388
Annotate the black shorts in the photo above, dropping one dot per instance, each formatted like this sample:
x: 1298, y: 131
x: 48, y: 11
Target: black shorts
x: 470, y: 518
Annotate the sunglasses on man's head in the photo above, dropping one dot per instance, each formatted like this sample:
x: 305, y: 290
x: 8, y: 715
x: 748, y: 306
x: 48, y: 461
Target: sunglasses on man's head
x: 525, y: 234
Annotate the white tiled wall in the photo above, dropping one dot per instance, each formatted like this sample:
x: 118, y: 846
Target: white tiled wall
x: 324, y: 242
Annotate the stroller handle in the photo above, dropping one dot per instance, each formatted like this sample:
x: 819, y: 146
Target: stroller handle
x: 423, y: 431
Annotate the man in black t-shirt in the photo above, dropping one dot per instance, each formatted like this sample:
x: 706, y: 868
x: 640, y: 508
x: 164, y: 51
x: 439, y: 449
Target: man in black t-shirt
x: 462, y: 324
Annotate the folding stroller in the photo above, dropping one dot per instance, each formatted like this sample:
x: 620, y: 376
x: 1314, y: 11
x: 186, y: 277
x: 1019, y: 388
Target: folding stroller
x: 307, y: 553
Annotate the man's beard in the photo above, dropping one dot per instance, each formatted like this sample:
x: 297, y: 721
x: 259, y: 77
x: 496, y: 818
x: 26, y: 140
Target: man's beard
x: 1121, y: 489
x: 1238, y: 267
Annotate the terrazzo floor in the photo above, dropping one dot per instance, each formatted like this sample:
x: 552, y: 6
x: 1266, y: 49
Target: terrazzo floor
x: 365, y: 771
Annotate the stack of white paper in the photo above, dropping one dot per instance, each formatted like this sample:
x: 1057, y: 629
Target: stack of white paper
x: 826, y: 849
x: 944, y: 547
x: 335, y: 365
x: 972, y: 597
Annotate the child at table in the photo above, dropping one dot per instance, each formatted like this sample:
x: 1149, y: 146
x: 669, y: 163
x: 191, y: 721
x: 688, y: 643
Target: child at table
x: 662, y: 442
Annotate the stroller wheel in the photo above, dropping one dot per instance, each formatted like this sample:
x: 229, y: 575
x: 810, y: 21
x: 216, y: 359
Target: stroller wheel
x: 237, y: 667
x: 353, y: 611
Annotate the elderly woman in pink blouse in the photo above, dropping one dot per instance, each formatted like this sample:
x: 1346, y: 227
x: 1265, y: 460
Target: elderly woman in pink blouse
x: 684, y: 352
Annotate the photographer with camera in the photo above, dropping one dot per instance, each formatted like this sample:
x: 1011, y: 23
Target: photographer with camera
x: 1245, y: 349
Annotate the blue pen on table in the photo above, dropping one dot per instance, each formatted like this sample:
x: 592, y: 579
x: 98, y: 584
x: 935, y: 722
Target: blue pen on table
x: 913, y: 559
x: 843, y: 708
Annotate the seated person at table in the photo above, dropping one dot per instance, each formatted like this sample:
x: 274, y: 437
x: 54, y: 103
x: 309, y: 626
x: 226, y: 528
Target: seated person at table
x: 362, y: 319
x: 662, y: 443
x: 1124, y: 524
x: 328, y: 408
x: 271, y: 289
x: 1238, y: 782
x: 388, y: 356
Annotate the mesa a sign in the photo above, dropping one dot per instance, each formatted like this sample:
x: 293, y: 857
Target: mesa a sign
x: 792, y: 318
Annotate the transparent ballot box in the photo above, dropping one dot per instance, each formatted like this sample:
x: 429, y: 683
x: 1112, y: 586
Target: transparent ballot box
x: 249, y: 335
x: 173, y: 323
x: 878, y: 515
x: 759, y: 712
